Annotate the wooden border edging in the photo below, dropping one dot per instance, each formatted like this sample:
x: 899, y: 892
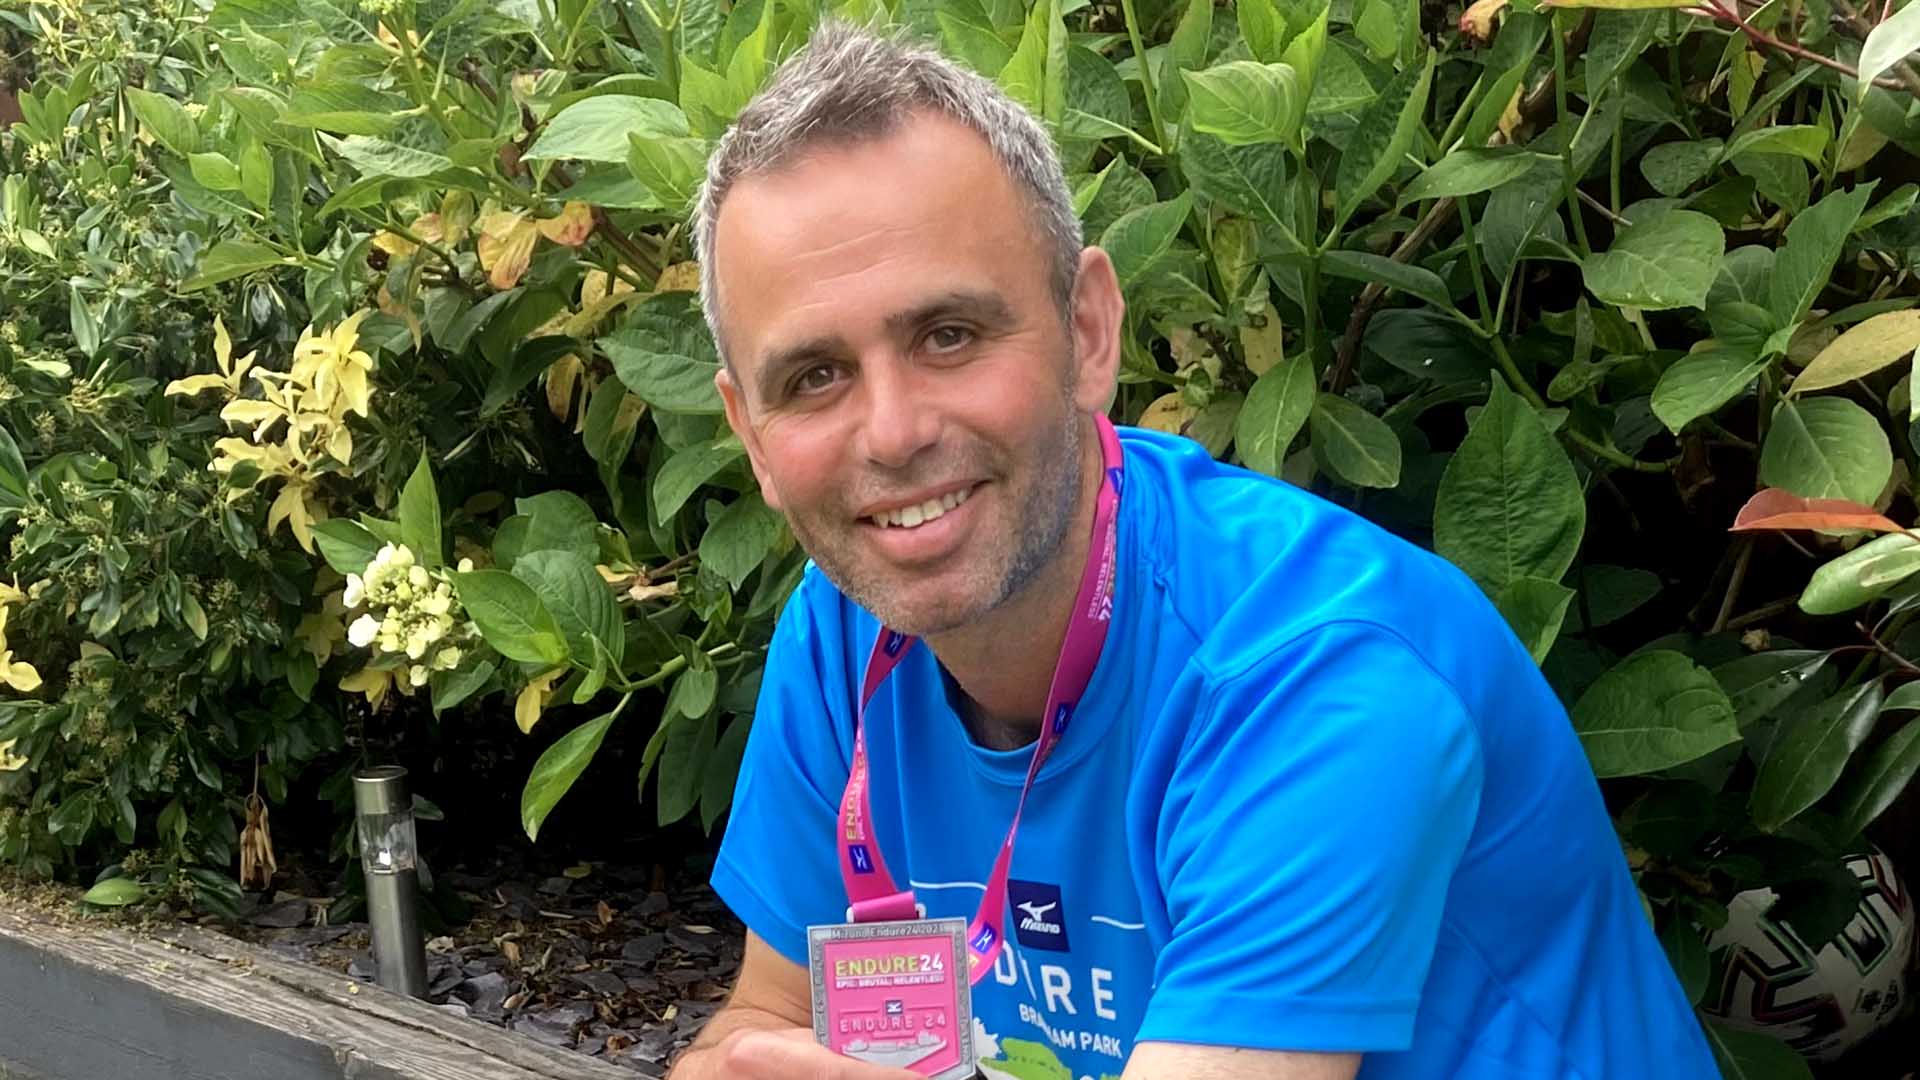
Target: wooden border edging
x: 78, y: 1002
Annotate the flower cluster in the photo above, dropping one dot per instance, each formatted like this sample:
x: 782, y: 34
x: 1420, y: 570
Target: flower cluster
x: 17, y: 674
x: 328, y: 382
x: 410, y: 612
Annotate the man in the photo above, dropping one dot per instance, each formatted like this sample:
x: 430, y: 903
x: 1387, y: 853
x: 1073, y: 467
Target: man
x: 1316, y: 815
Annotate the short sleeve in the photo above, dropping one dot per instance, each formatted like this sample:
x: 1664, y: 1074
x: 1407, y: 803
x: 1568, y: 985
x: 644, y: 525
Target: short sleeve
x: 777, y: 866
x: 1310, y: 828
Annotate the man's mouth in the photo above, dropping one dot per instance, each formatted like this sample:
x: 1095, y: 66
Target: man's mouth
x: 912, y: 517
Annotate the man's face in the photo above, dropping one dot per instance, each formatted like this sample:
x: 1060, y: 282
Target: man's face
x: 901, y: 374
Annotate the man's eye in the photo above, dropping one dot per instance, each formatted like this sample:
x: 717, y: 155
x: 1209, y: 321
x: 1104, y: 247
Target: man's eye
x: 815, y: 379
x: 949, y: 338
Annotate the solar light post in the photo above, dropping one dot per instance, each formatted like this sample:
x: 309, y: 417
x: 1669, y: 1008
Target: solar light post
x: 383, y: 813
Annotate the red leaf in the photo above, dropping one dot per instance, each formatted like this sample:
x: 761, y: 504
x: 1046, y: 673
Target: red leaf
x: 1777, y: 508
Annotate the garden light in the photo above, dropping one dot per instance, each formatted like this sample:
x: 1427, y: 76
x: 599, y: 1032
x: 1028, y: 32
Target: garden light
x: 390, y: 857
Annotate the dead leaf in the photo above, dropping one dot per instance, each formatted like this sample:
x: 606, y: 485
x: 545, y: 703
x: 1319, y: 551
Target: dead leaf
x: 506, y: 247
x: 1169, y: 413
x: 680, y: 277
x: 571, y: 228
x: 1477, y: 22
x: 605, y: 911
x: 1777, y: 508
x: 257, y: 864
x: 562, y: 376
x: 577, y: 872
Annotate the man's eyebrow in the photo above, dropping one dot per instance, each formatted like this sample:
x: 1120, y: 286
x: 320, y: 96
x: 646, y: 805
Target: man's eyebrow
x: 783, y: 361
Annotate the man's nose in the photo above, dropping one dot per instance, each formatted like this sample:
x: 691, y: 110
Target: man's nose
x: 901, y: 419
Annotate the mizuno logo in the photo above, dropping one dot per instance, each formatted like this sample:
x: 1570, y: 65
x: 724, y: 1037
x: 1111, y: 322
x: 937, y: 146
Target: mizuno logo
x: 1042, y: 924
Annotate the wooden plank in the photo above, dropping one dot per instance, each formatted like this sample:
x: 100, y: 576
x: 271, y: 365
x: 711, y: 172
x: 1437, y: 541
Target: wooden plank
x: 80, y: 1001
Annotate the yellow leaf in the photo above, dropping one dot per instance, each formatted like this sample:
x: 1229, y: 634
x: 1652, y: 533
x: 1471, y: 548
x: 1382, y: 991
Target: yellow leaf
x: 571, y: 227
x: 371, y: 682
x: 292, y: 507
x: 394, y: 244
x: 562, y: 376
x: 1262, y: 344
x: 1169, y: 413
x: 262, y: 414
x: 10, y: 594
x: 340, y: 444
x: 598, y: 285
x: 18, y: 673
x: 1477, y: 21
x: 193, y: 384
x: 532, y: 699
x: 1861, y: 351
x: 10, y: 761
x: 506, y: 247
x: 680, y: 277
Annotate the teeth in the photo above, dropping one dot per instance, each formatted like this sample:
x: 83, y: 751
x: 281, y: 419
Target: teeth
x: 912, y: 516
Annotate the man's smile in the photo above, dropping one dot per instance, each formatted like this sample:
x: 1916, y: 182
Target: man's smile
x: 923, y: 532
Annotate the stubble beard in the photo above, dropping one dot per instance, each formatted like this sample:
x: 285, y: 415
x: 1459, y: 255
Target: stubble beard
x: 1043, y: 513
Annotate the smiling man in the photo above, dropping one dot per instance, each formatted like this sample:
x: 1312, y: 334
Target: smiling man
x: 1230, y: 783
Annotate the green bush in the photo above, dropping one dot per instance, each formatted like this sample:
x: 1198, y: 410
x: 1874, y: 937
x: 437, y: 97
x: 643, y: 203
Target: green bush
x: 1553, y: 289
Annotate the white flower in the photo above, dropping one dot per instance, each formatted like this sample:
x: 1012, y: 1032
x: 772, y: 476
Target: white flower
x: 363, y: 631
x: 465, y: 566
x: 417, y: 675
x: 447, y: 659
x: 417, y: 577
x: 437, y: 604
x: 356, y: 591
x: 402, y: 556
x: 417, y: 644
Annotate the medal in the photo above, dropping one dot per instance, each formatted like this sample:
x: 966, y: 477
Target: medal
x: 887, y: 984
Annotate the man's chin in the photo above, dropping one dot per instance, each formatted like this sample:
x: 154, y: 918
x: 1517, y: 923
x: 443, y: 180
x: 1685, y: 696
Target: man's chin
x: 919, y: 608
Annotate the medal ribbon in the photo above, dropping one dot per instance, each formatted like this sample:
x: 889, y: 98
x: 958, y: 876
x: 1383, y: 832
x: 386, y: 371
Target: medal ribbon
x: 870, y: 886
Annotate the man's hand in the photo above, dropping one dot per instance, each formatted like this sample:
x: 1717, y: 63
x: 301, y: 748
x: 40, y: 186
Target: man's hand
x: 788, y: 1054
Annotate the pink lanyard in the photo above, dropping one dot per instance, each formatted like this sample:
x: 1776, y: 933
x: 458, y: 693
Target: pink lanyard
x: 869, y: 885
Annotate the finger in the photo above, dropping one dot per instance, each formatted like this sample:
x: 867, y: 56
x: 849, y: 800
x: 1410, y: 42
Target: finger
x: 793, y: 1055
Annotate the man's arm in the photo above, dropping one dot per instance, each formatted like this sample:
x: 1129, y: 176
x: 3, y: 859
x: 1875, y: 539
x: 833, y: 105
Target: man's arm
x: 1180, y: 1061
x: 763, y: 1033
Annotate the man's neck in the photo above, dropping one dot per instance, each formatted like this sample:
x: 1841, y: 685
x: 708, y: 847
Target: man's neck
x: 1004, y: 662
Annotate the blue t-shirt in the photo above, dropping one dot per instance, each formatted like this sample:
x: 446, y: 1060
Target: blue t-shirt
x: 1317, y: 797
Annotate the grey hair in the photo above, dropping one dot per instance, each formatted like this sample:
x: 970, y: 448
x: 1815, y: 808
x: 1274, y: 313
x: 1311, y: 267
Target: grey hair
x: 850, y: 85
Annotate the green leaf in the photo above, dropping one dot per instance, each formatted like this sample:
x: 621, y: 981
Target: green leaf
x: 1617, y: 40
x: 1249, y: 180
x: 687, y: 469
x: 166, y: 120
x: 1380, y: 140
x: 1676, y: 166
x: 1698, y: 384
x: 1357, y: 446
x: 1243, y: 103
x: 214, y: 171
x: 1366, y: 266
x: 378, y: 157
x: 1761, y: 683
x: 13, y: 469
x: 420, y: 514
x: 1807, y: 141
x: 666, y: 357
x: 669, y: 168
x: 1804, y: 261
x: 1754, y: 1055
x: 1653, y: 711
x: 1471, y: 171
x: 1534, y: 608
x: 1275, y: 410
x: 1688, y: 955
x: 345, y: 108
x: 115, y: 892
x: 683, y: 764
x: 598, y: 128
x: 556, y: 771
x: 1809, y: 752
x: 1263, y: 28
x: 1826, y: 448
x: 230, y: 259
x: 450, y: 688
x: 1887, y: 44
x: 1486, y: 115
x: 1880, y: 779
x: 1865, y: 348
x: 740, y: 538
x: 347, y: 547
x: 723, y: 771
x: 511, y: 617
x: 1861, y: 575
x: 579, y: 599
x: 1666, y: 261
x: 559, y: 521
x: 694, y: 690
x: 1508, y: 505
x: 1025, y: 73
x: 1142, y: 237
x: 256, y: 175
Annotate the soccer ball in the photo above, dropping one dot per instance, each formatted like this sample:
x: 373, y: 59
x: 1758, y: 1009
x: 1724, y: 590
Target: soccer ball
x: 1821, y: 1004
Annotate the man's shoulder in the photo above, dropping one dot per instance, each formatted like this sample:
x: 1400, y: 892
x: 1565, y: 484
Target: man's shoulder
x: 1248, y: 563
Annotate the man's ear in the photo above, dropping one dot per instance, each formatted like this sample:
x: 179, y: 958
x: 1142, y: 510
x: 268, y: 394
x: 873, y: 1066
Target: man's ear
x: 735, y: 400
x: 1099, y: 317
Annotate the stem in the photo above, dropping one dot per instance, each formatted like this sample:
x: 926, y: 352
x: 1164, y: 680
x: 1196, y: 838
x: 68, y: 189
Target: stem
x: 412, y: 61
x: 1146, y: 71
x: 1673, y: 73
x: 1613, y: 171
x: 1712, y: 10
x: 1600, y: 450
x: 1733, y: 585
x: 1479, y: 273
x: 1567, y: 184
x: 1904, y: 71
x: 1600, y: 207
